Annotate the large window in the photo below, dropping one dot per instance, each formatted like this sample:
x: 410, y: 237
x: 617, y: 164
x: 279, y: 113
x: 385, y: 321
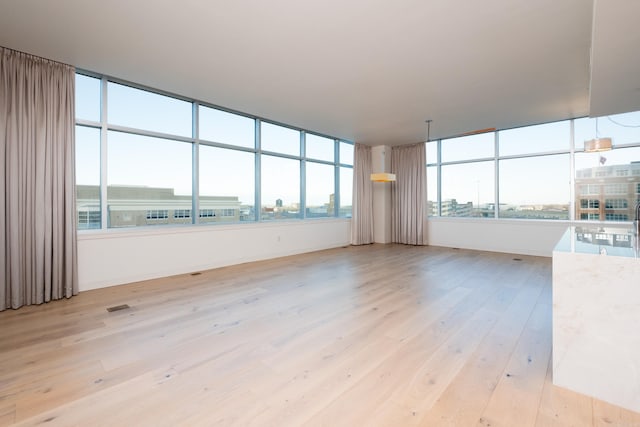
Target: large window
x: 535, y: 139
x: 88, y: 98
x: 432, y: 178
x: 88, y: 177
x: 146, y: 158
x: 141, y: 109
x: 468, y: 148
x: 346, y: 153
x: 469, y: 189
x: 280, y: 188
x: 624, y: 129
x: 526, y: 172
x: 319, y: 147
x: 227, y: 181
x: 346, y: 192
x: 606, y: 182
x: 610, y: 180
x: 320, y: 190
x: 146, y: 173
x: 226, y: 128
x: 535, y: 187
x: 345, y: 177
x: 279, y: 139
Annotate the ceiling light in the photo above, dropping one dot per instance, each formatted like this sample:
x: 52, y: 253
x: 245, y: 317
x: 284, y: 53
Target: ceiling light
x: 383, y: 177
x: 597, y: 144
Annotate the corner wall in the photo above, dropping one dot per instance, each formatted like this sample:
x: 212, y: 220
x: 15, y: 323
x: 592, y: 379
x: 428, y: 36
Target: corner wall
x: 517, y: 236
x: 381, y: 162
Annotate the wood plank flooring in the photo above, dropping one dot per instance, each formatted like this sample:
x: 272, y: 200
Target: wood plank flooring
x: 380, y: 335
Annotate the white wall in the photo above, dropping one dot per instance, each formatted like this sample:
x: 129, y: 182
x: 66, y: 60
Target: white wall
x: 114, y: 257
x: 523, y: 237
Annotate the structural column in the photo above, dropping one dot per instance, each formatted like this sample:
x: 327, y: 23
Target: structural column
x: 381, y: 162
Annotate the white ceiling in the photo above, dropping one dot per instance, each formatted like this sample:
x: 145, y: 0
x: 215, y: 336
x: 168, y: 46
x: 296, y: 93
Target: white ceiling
x: 371, y: 71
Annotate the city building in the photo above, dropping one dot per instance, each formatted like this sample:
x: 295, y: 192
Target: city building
x: 608, y: 193
x: 453, y: 208
x: 130, y: 206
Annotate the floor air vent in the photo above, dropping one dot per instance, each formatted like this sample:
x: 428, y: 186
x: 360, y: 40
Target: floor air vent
x: 118, y: 308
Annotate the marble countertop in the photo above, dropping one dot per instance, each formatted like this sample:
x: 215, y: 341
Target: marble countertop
x: 596, y: 350
x: 618, y: 241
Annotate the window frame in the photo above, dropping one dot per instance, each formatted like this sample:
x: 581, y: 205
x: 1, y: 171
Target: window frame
x: 105, y: 127
x: 582, y: 191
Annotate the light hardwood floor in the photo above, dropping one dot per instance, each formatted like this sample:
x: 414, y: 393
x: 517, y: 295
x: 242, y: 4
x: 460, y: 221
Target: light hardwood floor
x: 381, y: 335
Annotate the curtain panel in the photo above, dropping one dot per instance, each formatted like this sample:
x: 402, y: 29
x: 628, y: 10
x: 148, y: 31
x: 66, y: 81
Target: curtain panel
x: 409, y: 195
x: 362, y: 205
x: 38, y: 249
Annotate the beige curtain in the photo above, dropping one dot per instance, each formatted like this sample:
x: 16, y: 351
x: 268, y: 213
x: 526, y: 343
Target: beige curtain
x: 409, y: 195
x: 362, y: 207
x: 37, y: 207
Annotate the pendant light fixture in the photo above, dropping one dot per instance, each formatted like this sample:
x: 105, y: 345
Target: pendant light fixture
x: 383, y: 176
x: 597, y: 144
